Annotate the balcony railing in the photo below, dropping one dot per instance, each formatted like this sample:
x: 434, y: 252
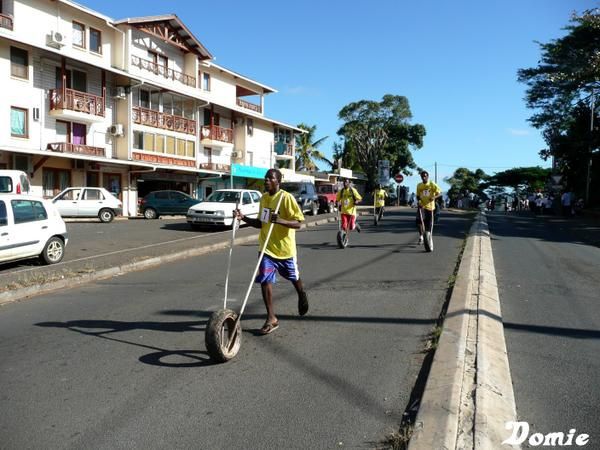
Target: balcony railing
x: 248, y: 105
x: 216, y: 133
x: 76, y: 101
x: 6, y: 21
x: 151, y: 118
x: 283, y: 149
x: 158, y: 69
x: 67, y: 147
x: 215, y: 166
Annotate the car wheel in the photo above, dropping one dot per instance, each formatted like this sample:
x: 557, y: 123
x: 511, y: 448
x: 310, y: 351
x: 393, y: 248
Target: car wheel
x: 53, y: 251
x: 150, y: 213
x: 314, y: 209
x: 106, y: 215
x: 331, y: 207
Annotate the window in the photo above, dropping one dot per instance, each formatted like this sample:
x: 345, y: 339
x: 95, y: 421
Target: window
x: 3, y: 214
x: 63, y: 131
x: 95, y: 41
x: 250, y: 127
x: 206, y: 81
x: 93, y: 194
x: 6, y: 185
x: 28, y: 211
x: 180, y: 147
x: 170, y: 145
x: 159, y: 143
x: 78, y: 34
x: 19, y: 63
x: 18, y: 122
x: 149, y: 142
x: 138, y: 140
x: 162, y: 195
x: 190, y: 150
x: 55, y: 181
x: 145, y: 99
x: 246, y: 199
x: 255, y: 197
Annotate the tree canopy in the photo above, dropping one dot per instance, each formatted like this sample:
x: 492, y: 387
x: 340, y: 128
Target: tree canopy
x: 307, y: 152
x: 562, y: 89
x: 521, y: 179
x: 375, y: 131
x: 465, y: 181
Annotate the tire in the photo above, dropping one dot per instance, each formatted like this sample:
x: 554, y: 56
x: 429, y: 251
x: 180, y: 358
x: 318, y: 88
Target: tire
x: 428, y: 241
x: 54, y: 251
x: 342, y: 239
x: 106, y: 215
x: 314, y: 209
x: 330, y: 207
x: 150, y: 213
x: 219, y: 331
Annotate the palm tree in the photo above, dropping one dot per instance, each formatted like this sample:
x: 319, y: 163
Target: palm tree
x: 306, y: 149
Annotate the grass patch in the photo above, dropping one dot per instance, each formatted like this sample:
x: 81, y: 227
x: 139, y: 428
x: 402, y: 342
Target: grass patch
x: 398, y: 440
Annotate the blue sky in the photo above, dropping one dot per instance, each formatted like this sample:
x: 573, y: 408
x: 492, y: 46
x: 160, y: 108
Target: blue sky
x: 455, y: 61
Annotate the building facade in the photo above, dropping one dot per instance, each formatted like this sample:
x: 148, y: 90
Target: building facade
x: 131, y: 105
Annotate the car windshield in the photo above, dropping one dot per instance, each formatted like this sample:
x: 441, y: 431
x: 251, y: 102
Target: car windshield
x: 224, y: 197
x: 325, y: 189
x: 290, y: 187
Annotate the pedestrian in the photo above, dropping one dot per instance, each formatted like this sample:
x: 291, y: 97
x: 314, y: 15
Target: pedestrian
x: 379, y: 196
x: 566, y: 201
x: 347, y: 198
x: 280, y: 253
x: 427, y: 193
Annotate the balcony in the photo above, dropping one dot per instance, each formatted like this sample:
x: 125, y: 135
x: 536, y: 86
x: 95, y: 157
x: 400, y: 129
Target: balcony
x: 67, y: 147
x: 216, y: 134
x: 217, y: 167
x: 283, y: 149
x: 156, y: 119
x: 248, y: 105
x: 6, y: 21
x: 76, y: 105
x: 160, y: 70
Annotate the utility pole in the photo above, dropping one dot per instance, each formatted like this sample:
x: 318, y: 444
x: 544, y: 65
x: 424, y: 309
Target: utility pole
x: 589, y: 167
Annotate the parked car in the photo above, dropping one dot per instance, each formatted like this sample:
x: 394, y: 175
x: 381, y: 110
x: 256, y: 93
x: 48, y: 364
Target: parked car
x: 14, y: 182
x: 31, y: 227
x: 305, y: 194
x: 327, y: 194
x: 218, y: 208
x: 160, y: 203
x: 88, y: 202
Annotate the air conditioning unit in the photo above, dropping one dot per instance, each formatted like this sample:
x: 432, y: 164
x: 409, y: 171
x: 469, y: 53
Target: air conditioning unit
x: 238, y: 154
x: 120, y: 92
x: 116, y: 129
x: 55, y: 39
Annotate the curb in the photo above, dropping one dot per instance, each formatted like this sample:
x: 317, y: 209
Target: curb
x: 469, y: 397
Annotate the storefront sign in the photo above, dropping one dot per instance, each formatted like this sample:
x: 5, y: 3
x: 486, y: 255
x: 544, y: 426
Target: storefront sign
x: 238, y: 170
x: 158, y: 159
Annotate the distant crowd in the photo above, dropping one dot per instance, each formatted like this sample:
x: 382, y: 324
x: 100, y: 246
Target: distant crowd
x: 539, y: 203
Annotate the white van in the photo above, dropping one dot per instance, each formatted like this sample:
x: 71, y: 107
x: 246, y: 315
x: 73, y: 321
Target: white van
x: 14, y: 182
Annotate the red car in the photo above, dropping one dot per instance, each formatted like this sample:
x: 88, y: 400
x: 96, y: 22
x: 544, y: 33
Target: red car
x: 327, y: 195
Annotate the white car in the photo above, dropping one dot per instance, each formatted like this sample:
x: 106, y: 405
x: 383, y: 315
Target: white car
x: 218, y: 208
x: 30, y: 227
x: 88, y: 202
x: 14, y: 182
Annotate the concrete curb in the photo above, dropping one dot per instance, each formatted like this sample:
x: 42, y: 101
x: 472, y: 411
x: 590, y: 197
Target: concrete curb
x: 468, y: 397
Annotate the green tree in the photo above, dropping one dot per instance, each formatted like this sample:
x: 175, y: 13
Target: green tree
x: 307, y: 151
x: 464, y: 181
x: 562, y: 88
x: 381, y: 130
x: 520, y: 179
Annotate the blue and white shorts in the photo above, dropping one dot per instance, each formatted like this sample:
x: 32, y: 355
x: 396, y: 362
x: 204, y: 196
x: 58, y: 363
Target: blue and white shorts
x: 287, y: 268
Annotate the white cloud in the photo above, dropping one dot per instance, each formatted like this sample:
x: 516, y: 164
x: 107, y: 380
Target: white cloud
x: 517, y: 132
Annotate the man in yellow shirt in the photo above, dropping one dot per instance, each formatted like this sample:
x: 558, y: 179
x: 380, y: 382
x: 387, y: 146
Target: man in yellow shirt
x: 347, y: 198
x: 280, y: 254
x: 427, y: 193
x: 379, y: 196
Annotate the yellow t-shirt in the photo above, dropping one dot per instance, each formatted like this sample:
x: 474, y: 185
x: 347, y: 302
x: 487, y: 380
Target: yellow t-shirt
x: 426, y: 192
x: 379, y: 196
x: 282, y: 244
x: 348, y: 200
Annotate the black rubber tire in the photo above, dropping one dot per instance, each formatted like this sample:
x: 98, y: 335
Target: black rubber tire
x: 342, y: 239
x: 150, y: 213
x: 218, y: 333
x: 428, y: 241
x: 54, y: 251
x: 106, y: 215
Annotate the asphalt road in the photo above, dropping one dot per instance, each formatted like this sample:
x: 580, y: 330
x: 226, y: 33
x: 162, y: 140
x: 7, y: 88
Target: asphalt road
x: 547, y: 271
x: 121, y: 363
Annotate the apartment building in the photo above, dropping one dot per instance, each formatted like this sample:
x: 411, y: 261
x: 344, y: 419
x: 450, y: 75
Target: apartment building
x: 132, y: 105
